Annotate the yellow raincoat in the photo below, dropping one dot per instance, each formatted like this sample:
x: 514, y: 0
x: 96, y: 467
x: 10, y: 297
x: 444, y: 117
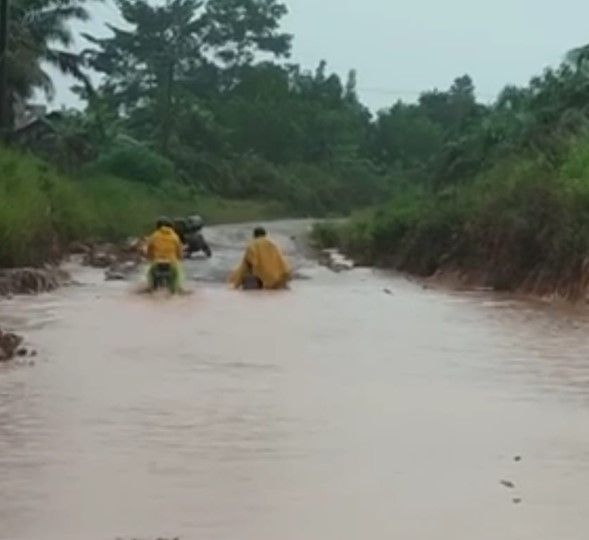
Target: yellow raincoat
x: 164, y: 246
x: 264, y: 260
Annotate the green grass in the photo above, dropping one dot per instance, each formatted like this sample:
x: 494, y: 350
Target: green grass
x: 522, y: 223
x: 42, y: 211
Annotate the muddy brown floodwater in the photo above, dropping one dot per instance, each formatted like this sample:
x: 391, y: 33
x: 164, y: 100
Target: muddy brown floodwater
x: 335, y: 411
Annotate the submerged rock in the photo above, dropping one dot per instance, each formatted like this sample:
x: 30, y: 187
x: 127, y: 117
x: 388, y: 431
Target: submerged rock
x: 335, y: 261
x: 116, y: 259
x: 99, y: 258
x: 114, y: 275
x: 121, y: 271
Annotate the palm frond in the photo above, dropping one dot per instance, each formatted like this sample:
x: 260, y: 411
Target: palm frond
x: 578, y: 56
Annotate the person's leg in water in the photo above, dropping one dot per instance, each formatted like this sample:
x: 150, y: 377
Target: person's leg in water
x: 176, y: 281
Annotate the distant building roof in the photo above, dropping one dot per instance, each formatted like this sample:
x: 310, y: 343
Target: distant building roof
x: 38, y: 121
x: 25, y: 113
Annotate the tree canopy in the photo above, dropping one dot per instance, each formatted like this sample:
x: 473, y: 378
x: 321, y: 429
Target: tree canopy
x: 208, y: 85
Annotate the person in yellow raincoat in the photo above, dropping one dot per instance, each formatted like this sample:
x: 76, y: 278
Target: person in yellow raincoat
x: 263, y: 265
x: 164, y: 247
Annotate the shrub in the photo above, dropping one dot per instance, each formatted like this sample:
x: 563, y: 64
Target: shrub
x: 133, y: 162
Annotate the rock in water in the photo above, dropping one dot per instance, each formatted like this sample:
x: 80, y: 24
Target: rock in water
x: 508, y: 484
x: 115, y: 257
x: 9, y: 345
x: 337, y: 262
x: 114, y: 275
x: 99, y: 259
x: 120, y: 271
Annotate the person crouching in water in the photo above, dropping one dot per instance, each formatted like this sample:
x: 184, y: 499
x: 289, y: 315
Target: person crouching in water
x: 165, y: 248
x: 263, y: 266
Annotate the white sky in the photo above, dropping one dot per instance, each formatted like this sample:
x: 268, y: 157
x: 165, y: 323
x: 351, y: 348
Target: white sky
x: 401, y: 47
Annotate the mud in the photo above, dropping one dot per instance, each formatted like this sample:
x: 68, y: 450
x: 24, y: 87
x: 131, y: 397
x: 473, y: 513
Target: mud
x: 31, y: 280
x: 356, y: 405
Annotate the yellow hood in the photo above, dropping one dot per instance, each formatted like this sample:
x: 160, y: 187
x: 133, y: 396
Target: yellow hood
x: 164, y: 246
x: 265, y: 260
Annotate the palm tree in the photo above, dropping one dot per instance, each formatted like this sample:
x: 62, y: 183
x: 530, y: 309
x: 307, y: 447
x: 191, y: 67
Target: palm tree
x: 39, y: 35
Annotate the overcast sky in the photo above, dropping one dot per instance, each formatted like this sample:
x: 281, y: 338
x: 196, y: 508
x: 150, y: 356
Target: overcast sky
x: 401, y: 47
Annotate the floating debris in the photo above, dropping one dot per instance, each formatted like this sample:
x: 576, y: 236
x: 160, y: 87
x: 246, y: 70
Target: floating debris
x: 335, y: 261
x: 508, y: 484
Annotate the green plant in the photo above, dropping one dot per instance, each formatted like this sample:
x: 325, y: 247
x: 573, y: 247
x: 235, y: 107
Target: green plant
x: 134, y: 162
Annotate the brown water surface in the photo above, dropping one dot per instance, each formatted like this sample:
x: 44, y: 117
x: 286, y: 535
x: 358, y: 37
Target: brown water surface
x: 333, y: 411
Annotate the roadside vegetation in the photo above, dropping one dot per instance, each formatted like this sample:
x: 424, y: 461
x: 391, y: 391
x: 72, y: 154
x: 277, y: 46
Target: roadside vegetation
x: 522, y: 225
x: 499, y: 198
x: 42, y: 210
x: 199, y: 109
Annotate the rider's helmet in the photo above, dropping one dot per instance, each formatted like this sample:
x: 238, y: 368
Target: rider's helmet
x: 196, y: 223
x: 164, y: 222
x: 259, y: 232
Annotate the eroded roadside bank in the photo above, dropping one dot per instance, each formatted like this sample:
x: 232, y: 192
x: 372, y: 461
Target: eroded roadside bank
x: 496, y: 265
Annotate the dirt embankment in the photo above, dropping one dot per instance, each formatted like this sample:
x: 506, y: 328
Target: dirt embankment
x: 567, y: 281
x: 30, y: 280
x: 539, y: 284
x: 117, y: 260
x: 570, y: 286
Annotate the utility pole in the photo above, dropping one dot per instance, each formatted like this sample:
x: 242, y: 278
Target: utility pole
x: 4, y: 106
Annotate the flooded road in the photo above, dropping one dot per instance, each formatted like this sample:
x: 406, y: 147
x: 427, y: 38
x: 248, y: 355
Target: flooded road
x: 334, y: 411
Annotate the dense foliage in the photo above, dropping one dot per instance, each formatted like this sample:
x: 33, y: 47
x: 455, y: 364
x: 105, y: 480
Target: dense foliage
x: 200, y: 95
x: 41, y: 210
x: 206, y: 86
x: 505, y: 198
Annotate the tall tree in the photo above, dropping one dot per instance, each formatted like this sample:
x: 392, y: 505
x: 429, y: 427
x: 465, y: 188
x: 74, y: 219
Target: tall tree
x: 405, y: 137
x: 171, y: 49
x: 238, y: 30
x: 453, y: 109
x: 39, y: 34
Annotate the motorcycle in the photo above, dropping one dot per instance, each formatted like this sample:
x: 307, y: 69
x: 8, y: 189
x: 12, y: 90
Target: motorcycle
x: 190, y: 233
x: 195, y: 243
x: 162, y: 277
